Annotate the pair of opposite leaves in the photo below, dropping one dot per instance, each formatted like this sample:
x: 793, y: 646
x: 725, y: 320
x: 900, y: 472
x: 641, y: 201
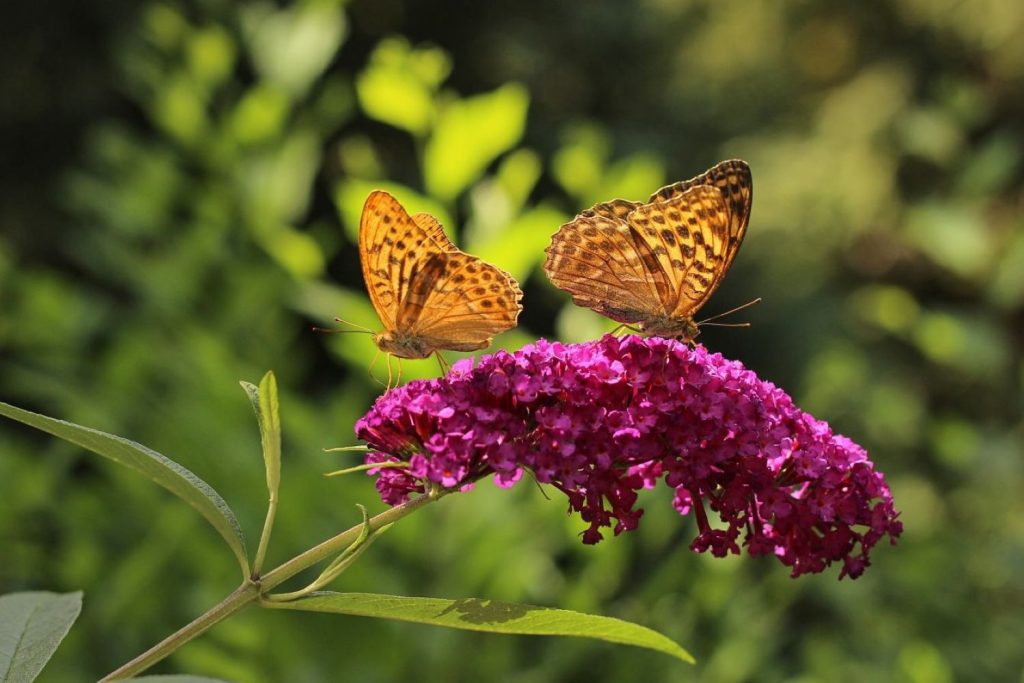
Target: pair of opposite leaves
x: 652, y: 265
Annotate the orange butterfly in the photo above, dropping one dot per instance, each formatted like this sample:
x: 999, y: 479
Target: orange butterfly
x: 427, y: 293
x: 655, y: 264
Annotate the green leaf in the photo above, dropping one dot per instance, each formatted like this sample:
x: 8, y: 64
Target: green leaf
x: 518, y: 175
x: 578, y: 165
x: 519, y: 247
x: 293, y: 47
x: 178, y: 678
x: 400, y: 84
x: 471, y: 133
x: 264, y: 401
x: 31, y: 627
x: 161, y: 469
x: 474, y: 614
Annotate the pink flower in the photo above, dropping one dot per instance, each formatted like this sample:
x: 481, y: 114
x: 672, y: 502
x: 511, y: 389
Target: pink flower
x: 603, y: 419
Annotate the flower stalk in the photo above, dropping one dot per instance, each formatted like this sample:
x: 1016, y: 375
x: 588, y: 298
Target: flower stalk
x: 255, y: 589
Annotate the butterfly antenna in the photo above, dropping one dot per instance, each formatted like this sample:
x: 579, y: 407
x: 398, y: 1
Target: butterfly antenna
x: 730, y: 312
x: 726, y: 324
x: 345, y: 322
x: 361, y: 330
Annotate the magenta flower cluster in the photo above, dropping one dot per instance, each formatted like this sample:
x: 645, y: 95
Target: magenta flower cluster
x: 602, y: 420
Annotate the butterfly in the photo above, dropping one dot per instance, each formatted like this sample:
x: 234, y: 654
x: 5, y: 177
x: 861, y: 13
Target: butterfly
x: 654, y: 264
x: 427, y: 293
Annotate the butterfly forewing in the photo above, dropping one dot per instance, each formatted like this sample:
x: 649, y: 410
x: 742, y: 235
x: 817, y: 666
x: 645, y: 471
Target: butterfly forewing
x: 391, y: 243
x: 734, y: 180
x: 689, y: 234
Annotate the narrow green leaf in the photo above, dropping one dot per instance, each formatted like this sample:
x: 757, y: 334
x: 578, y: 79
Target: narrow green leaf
x: 160, y: 469
x: 264, y: 401
x: 178, y: 678
x: 31, y: 627
x: 474, y: 614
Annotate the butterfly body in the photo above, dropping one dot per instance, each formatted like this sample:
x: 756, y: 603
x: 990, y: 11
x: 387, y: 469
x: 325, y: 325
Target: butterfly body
x: 653, y: 265
x: 680, y: 328
x: 428, y: 294
x: 403, y: 345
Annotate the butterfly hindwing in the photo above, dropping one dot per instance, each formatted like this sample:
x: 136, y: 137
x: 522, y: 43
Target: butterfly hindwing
x: 595, y: 257
x: 459, y: 302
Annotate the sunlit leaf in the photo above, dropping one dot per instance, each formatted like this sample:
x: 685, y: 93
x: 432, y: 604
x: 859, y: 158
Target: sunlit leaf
x: 211, y: 55
x: 278, y: 183
x: 470, y: 133
x: 180, y: 110
x: 578, y: 324
x: 147, y: 462
x: 954, y: 237
x: 296, y: 251
x: 31, y: 627
x: 578, y: 165
x: 292, y: 47
x: 519, y: 247
x: 517, y: 175
x: 260, y: 115
x: 491, y: 616
x: 400, y: 83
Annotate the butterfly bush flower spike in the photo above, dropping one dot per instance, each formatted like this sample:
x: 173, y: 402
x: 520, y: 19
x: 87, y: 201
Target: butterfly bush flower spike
x: 604, y: 419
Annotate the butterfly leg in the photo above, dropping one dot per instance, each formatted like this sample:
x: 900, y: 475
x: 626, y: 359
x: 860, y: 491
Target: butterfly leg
x: 443, y: 363
x: 387, y: 387
x: 369, y: 370
x: 626, y: 326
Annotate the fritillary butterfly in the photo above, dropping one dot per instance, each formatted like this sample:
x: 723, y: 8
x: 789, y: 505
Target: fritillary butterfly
x: 654, y: 264
x: 427, y: 293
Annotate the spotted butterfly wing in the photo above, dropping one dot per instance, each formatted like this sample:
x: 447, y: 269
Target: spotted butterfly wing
x: 733, y: 179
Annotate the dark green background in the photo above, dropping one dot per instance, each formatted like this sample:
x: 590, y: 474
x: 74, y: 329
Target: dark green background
x: 179, y: 188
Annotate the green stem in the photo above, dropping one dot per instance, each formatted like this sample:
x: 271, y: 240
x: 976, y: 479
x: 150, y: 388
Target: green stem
x: 251, y: 590
x: 268, y: 524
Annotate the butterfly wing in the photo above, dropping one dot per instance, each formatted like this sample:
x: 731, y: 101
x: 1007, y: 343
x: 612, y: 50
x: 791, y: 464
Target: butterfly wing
x: 736, y: 184
x: 459, y: 302
x: 391, y: 245
x: 690, y: 236
x: 597, y: 258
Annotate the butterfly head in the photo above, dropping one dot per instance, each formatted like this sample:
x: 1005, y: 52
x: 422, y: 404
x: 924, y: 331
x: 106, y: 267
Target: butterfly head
x: 403, y: 346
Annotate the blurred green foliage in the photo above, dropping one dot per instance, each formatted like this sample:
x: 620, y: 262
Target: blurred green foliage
x: 180, y: 196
